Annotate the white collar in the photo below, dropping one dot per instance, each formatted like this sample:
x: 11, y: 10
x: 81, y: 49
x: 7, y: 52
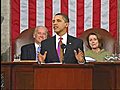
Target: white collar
x: 37, y: 45
x: 64, y: 40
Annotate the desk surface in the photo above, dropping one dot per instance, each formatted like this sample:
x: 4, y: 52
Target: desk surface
x: 35, y: 63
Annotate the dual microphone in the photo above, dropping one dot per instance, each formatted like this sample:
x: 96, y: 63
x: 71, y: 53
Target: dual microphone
x: 63, y: 46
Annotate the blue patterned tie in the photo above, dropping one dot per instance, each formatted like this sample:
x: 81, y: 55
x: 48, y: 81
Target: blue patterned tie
x: 38, y: 51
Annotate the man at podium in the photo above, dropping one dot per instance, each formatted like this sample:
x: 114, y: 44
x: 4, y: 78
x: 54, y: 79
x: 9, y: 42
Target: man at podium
x: 71, y: 49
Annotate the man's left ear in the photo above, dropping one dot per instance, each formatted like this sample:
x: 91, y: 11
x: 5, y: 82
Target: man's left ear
x: 67, y: 24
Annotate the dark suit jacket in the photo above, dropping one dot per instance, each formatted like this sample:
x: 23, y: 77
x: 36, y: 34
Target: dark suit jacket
x: 49, y: 45
x: 28, y: 52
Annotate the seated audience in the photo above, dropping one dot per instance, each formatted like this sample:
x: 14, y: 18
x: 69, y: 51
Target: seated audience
x: 29, y: 51
x: 96, y: 50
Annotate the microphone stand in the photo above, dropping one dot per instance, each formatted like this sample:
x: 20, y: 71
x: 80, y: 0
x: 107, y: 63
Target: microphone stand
x: 63, y: 46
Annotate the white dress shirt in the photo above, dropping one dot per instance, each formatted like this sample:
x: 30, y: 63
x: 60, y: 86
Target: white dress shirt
x: 36, y: 46
x: 64, y: 40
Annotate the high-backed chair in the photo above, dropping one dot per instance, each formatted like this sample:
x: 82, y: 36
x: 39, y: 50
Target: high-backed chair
x: 108, y: 40
x: 25, y: 37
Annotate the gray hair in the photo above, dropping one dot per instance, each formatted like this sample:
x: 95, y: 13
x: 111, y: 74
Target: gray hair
x: 42, y: 27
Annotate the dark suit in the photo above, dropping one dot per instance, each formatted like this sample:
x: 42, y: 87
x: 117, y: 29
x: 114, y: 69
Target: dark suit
x: 28, y: 52
x: 49, y: 45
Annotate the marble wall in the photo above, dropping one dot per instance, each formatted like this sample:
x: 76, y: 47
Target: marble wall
x: 5, y: 30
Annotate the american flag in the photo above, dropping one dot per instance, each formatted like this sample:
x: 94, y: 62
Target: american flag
x: 83, y: 14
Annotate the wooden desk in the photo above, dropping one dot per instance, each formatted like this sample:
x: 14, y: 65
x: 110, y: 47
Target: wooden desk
x: 5, y: 76
x: 50, y: 76
x: 63, y: 77
x: 106, y: 75
x: 17, y: 75
x: 97, y: 76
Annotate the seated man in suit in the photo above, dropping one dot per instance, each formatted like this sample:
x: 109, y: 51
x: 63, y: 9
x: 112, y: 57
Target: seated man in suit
x: 72, y: 47
x: 29, y: 51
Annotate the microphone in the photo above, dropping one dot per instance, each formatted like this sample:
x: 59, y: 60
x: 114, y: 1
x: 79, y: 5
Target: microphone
x: 63, y: 46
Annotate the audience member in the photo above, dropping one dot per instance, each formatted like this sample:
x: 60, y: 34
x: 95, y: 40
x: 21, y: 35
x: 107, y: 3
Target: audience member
x: 96, y: 50
x: 29, y: 51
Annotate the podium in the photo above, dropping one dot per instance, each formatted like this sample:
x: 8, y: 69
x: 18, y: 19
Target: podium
x: 63, y: 77
x: 24, y: 75
x: 29, y: 75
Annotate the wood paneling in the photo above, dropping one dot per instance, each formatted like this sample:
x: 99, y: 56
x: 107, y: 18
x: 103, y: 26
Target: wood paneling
x: 63, y: 78
x: 6, y: 77
x: 22, y: 77
x: 29, y: 75
x: 118, y: 76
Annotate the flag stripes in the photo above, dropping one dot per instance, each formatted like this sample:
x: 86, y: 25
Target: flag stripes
x: 96, y: 13
x: 113, y: 18
x: 83, y: 14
